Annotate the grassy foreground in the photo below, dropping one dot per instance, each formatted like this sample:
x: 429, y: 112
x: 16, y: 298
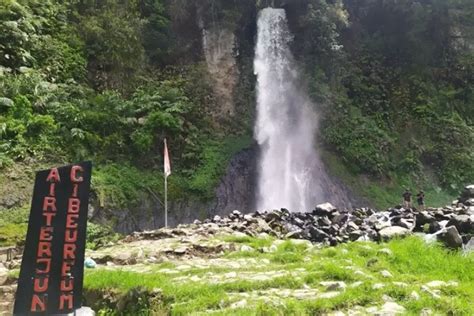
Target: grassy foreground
x: 253, y: 284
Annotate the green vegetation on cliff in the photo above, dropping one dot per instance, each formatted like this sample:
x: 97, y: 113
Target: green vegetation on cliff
x: 394, y: 80
x: 108, y: 80
x: 104, y: 81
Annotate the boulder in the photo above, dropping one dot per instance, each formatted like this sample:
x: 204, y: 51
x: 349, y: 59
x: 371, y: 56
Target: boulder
x: 451, y: 238
x: 355, y: 235
x: 317, y: 234
x: 248, y: 217
x: 273, y: 216
x: 434, y: 227
x: 382, y: 224
x: 324, y: 209
x: 262, y: 226
x: 405, y: 223
x: 235, y: 215
x: 324, y: 221
x: 340, y: 219
x: 469, y: 247
x: 391, y: 308
x: 464, y: 223
x: 392, y: 232
x: 296, y: 234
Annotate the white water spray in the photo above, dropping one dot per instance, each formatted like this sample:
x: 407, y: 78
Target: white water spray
x: 291, y: 174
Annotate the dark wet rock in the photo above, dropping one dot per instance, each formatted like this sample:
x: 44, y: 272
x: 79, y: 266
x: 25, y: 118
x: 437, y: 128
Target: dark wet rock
x: 325, y: 209
x: 273, y: 216
x: 296, y: 234
x: 324, y: 221
x: 406, y: 223
x: 451, y: 238
x: 340, y: 219
x: 317, y: 235
x: 352, y: 226
x: 423, y: 218
x: 355, y: 235
x: 434, y: 227
x: 464, y: 223
x: 298, y: 222
x: 235, y: 215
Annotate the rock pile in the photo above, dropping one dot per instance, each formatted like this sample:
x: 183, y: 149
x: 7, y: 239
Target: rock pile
x: 453, y: 225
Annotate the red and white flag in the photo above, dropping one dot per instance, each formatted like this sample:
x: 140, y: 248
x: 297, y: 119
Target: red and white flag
x: 167, y: 167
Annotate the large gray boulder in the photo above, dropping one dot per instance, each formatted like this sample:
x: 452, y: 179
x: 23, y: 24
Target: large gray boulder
x: 324, y: 209
x: 464, y: 223
x: 469, y: 247
x: 451, y: 238
x: 393, y: 231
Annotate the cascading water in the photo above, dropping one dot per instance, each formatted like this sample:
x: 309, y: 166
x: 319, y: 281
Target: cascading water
x: 291, y: 174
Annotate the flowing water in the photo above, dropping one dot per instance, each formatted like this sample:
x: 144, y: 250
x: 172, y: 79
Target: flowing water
x: 290, y: 172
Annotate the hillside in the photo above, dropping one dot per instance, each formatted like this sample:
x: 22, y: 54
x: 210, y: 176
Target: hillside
x: 106, y: 81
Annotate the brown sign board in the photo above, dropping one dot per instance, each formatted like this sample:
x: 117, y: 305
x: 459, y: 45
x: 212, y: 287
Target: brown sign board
x: 52, y: 268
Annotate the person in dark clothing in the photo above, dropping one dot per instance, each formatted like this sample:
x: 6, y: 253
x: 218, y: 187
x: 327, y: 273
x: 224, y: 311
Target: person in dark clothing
x: 407, y: 199
x: 420, y: 198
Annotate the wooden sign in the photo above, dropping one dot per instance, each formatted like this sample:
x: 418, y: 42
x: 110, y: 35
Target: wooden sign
x: 52, y: 268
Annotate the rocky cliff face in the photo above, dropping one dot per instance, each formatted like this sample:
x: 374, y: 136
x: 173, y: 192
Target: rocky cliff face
x: 235, y: 191
x: 237, y: 188
x: 219, y: 45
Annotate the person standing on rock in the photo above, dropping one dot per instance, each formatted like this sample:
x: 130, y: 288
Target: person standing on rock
x: 407, y: 199
x: 420, y: 198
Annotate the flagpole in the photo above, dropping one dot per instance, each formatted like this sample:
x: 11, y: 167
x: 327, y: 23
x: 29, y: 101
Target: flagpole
x: 166, y: 157
x: 166, y: 201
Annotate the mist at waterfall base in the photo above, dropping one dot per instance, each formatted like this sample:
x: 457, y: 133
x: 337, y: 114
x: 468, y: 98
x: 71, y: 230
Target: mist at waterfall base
x: 290, y: 172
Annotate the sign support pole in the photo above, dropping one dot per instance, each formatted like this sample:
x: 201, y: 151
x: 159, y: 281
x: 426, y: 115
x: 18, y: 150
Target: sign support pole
x: 166, y: 201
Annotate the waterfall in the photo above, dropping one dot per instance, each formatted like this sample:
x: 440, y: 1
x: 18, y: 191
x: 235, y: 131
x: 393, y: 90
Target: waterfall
x: 290, y: 172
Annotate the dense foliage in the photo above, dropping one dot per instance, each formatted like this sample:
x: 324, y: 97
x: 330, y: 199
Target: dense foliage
x: 108, y: 80
x: 99, y: 80
x: 395, y: 80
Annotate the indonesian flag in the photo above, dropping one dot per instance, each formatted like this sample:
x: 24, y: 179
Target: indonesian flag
x: 167, y: 167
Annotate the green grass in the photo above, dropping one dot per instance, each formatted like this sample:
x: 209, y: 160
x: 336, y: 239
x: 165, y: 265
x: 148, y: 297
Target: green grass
x: 411, y: 262
x: 248, y: 240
